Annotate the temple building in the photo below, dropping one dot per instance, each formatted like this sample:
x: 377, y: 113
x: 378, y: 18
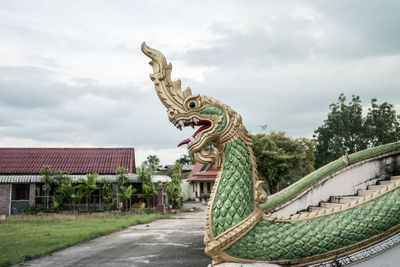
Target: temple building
x: 201, y: 180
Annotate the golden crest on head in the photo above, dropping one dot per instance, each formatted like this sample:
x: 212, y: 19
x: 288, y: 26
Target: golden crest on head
x: 169, y: 92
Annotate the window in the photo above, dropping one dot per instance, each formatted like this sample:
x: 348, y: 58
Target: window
x: 20, y: 192
x: 39, y: 191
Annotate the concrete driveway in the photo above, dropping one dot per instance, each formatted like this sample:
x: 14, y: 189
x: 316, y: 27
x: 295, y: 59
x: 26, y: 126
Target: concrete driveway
x: 174, y: 242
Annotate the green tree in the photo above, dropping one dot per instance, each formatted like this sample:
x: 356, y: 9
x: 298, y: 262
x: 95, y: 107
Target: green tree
x: 185, y: 159
x: 282, y: 160
x: 342, y: 132
x: 126, y: 194
x: 106, y: 191
x: 47, y: 174
x: 152, y: 161
x: 59, y: 178
x: 79, y: 193
x: 148, y: 191
x: 52, y: 183
x: 122, y: 174
x: 89, y: 185
x: 148, y: 187
x: 382, y: 125
x: 306, y: 147
x: 144, y: 173
x: 58, y: 201
x: 66, y: 190
x: 173, y: 188
x: 346, y: 131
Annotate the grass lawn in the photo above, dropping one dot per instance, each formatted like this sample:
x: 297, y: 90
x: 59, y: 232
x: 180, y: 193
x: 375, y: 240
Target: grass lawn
x: 28, y: 237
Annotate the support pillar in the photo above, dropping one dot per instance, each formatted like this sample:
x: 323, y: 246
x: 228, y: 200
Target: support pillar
x: 32, y: 200
x: 160, y: 201
x: 116, y: 195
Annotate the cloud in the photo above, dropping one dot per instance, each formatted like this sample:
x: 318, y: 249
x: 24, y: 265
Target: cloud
x: 74, y: 75
x: 334, y: 32
x: 37, y: 107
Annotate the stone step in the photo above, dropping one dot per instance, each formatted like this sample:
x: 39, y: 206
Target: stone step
x: 395, y: 178
x: 302, y: 212
x: 376, y: 187
x: 344, y: 200
x: 386, y: 182
x: 364, y: 192
x: 330, y: 205
x: 314, y: 208
x: 339, y: 201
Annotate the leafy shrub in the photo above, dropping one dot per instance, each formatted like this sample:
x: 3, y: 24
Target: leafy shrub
x: 33, y: 209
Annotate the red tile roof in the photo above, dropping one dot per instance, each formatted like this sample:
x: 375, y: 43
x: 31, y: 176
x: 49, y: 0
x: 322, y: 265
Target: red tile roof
x: 202, y: 172
x: 74, y: 160
x: 195, y: 170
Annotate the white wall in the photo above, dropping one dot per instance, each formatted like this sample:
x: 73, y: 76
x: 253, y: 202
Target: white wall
x: 343, y: 183
x: 185, y: 187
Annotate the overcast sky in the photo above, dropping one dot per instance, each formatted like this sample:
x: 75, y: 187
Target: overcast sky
x: 72, y: 73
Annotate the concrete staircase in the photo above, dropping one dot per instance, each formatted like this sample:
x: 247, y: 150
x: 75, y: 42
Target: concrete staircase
x: 337, y: 201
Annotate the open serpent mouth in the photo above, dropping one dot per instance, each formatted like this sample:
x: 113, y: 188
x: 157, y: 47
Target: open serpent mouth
x: 204, y: 124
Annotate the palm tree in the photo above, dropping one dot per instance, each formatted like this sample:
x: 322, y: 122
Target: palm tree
x: 79, y: 194
x: 58, y: 201
x: 59, y: 178
x: 173, y: 188
x: 126, y: 194
x: 144, y: 173
x: 106, y: 191
x: 67, y: 190
x: 153, y: 161
x: 148, y: 190
x: 90, y: 185
x: 122, y: 176
x: 47, y: 173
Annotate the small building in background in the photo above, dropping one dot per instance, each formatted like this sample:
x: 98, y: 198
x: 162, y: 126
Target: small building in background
x: 21, y: 184
x: 187, y: 168
x: 201, y: 180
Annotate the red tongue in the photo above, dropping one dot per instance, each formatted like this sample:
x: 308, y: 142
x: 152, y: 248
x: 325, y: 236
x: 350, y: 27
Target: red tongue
x: 186, y: 141
x: 205, y: 126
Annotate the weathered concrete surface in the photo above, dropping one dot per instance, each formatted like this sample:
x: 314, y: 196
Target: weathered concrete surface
x: 5, y: 199
x: 231, y: 264
x: 175, y: 242
x: 345, y: 182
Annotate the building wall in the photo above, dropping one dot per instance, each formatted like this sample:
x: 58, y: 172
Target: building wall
x: 192, y: 187
x: 345, y: 182
x: 185, y: 187
x: 4, y: 198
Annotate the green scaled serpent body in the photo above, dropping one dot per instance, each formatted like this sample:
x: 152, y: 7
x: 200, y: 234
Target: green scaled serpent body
x: 234, y: 201
x: 242, y: 224
x: 287, y: 241
x: 280, y: 241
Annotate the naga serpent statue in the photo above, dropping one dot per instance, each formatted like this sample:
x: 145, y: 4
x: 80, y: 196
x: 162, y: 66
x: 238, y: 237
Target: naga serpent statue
x: 245, y: 225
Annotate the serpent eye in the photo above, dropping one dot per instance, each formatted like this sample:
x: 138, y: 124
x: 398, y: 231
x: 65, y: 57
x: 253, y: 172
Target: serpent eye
x: 192, y: 104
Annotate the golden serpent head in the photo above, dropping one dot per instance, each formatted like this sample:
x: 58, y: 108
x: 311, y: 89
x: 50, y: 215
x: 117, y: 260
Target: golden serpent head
x: 185, y: 110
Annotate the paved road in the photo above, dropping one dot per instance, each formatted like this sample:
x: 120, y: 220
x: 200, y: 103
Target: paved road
x: 164, y: 243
